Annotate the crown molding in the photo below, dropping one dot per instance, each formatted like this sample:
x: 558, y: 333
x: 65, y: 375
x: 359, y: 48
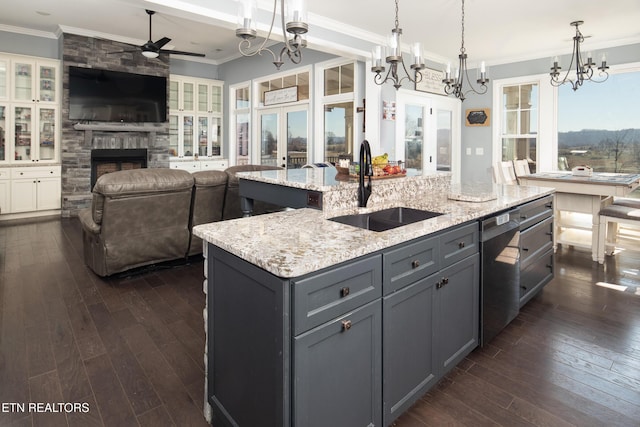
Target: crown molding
x: 28, y: 31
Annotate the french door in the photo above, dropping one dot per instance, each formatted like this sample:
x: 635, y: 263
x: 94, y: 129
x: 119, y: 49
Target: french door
x: 283, y: 136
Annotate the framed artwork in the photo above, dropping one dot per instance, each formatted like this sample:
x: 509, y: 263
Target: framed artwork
x: 478, y: 117
x: 431, y: 81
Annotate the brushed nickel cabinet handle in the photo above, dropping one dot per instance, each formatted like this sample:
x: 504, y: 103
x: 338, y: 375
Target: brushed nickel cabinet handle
x: 346, y: 325
x: 415, y: 263
x: 344, y: 292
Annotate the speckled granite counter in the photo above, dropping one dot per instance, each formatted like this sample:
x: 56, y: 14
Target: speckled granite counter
x: 297, y: 242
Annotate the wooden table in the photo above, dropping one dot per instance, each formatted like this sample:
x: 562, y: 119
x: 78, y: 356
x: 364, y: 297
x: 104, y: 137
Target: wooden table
x: 582, y: 195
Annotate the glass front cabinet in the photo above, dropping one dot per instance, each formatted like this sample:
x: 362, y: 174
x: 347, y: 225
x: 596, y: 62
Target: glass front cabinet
x: 29, y: 112
x: 195, y: 117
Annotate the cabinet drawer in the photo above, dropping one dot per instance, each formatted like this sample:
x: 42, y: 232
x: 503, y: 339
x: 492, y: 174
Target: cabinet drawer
x: 535, y: 211
x: 535, y: 240
x: 324, y: 296
x: 535, y: 276
x: 4, y: 173
x: 458, y: 244
x: 35, y: 172
x: 409, y: 263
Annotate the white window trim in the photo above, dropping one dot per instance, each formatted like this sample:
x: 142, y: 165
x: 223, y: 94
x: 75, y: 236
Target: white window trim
x: 547, y: 136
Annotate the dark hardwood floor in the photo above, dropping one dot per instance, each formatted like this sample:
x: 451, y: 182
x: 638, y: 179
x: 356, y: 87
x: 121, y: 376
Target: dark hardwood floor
x: 130, y: 349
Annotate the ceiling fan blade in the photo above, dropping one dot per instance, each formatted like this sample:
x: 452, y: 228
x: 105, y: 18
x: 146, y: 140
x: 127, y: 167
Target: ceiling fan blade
x: 178, y: 52
x: 163, y: 41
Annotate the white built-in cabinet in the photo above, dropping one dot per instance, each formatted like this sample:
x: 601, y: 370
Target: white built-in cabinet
x: 29, y: 110
x: 30, y: 95
x: 195, y: 121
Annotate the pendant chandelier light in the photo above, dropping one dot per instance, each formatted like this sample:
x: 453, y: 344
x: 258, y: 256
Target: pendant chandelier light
x: 394, y: 59
x: 584, y: 71
x: 293, y: 22
x: 455, y: 85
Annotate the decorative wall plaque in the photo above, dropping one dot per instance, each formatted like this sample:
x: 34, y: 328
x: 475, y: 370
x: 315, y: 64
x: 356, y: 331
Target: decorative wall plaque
x: 478, y: 117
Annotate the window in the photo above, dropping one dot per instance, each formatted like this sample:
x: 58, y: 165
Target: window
x: 338, y: 104
x: 599, y: 126
x: 520, y: 123
x: 300, y: 79
x: 240, y: 116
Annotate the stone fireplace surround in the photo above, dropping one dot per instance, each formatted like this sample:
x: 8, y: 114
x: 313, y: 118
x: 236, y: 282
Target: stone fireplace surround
x: 78, y: 139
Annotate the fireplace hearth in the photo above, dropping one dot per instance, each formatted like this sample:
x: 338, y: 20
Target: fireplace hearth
x: 112, y: 160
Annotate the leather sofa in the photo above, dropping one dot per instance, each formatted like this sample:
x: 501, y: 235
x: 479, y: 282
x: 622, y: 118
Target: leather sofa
x: 146, y: 216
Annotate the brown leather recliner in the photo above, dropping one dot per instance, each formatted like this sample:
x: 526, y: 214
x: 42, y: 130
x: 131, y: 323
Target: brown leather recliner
x: 208, y: 199
x: 138, y: 217
x: 232, y: 199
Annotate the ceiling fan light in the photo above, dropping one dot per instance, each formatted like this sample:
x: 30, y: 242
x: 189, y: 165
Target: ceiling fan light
x: 150, y: 54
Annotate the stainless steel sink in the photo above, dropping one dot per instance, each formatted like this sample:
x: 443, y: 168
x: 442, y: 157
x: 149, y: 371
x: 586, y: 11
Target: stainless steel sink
x: 385, y: 219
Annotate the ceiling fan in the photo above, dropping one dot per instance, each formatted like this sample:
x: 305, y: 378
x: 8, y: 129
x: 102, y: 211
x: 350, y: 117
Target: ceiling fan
x: 152, y: 49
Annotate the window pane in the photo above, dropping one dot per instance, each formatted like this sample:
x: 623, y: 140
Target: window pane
x: 444, y: 139
x: 510, y: 123
x: 511, y: 97
x: 296, y: 139
x: 242, y: 97
x: 242, y: 139
x: 520, y: 149
x: 269, y: 139
x: 332, y: 81
x: 338, y: 131
x: 289, y: 81
x: 346, y: 78
x: 303, y: 86
x: 414, y: 137
x: 598, y: 124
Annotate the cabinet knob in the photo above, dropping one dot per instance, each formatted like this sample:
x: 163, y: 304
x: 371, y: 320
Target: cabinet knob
x: 415, y: 263
x: 523, y: 217
x: 525, y: 249
x: 344, y: 292
x: 346, y: 325
x: 461, y: 245
x: 445, y: 280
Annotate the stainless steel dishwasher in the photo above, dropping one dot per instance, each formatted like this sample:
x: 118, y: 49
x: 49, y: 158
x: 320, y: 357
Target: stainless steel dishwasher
x: 500, y: 272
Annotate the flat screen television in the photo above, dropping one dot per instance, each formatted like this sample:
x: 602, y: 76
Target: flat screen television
x: 114, y: 96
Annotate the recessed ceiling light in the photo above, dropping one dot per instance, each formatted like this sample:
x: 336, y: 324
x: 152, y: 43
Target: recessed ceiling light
x: 39, y: 12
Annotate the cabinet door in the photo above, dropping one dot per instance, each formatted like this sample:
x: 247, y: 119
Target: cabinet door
x: 48, y: 194
x: 203, y: 98
x: 337, y: 372
x: 4, y: 143
x: 409, y: 358
x: 23, y: 195
x: 23, y: 81
x: 5, y: 207
x: 46, y: 82
x: 4, y: 89
x: 46, y: 134
x: 458, y: 303
x: 23, y: 136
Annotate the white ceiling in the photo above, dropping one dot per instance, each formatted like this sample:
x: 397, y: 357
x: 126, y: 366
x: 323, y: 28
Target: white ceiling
x: 497, y: 31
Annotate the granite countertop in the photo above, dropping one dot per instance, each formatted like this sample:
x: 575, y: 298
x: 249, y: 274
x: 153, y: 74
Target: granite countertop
x: 296, y: 242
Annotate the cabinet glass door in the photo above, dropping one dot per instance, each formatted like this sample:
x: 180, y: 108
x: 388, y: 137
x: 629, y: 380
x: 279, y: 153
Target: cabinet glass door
x: 203, y: 136
x: 203, y: 98
x: 23, y: 125
x: 3, y: 133
x: 216, y: 99
x: 23, y: 82
x: 187, y: 135
x: 216, y: 136
x: 47, y: 125
x: 173, y: 95
x: 173, y: 136
x: 187, y: 97
x: 3, y: 79
x: 47, y: 84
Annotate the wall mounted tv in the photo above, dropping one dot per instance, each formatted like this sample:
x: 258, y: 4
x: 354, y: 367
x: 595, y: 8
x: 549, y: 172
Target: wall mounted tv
x: 114, y: 96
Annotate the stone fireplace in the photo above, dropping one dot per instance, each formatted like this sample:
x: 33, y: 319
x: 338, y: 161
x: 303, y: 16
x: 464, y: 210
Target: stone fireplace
x: 80, y: 139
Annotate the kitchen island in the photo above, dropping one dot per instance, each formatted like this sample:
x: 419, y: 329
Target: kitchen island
x: 314, y: 322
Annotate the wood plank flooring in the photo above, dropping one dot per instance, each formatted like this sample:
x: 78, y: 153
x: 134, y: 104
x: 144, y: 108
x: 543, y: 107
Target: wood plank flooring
x: 131, y: 348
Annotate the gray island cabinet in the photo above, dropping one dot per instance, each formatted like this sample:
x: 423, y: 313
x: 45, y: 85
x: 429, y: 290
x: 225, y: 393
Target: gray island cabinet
x: 353, y: 344
x: 311, y: 322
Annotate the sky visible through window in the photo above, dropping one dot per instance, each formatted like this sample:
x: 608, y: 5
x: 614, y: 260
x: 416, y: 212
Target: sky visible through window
x: 611, y: 105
